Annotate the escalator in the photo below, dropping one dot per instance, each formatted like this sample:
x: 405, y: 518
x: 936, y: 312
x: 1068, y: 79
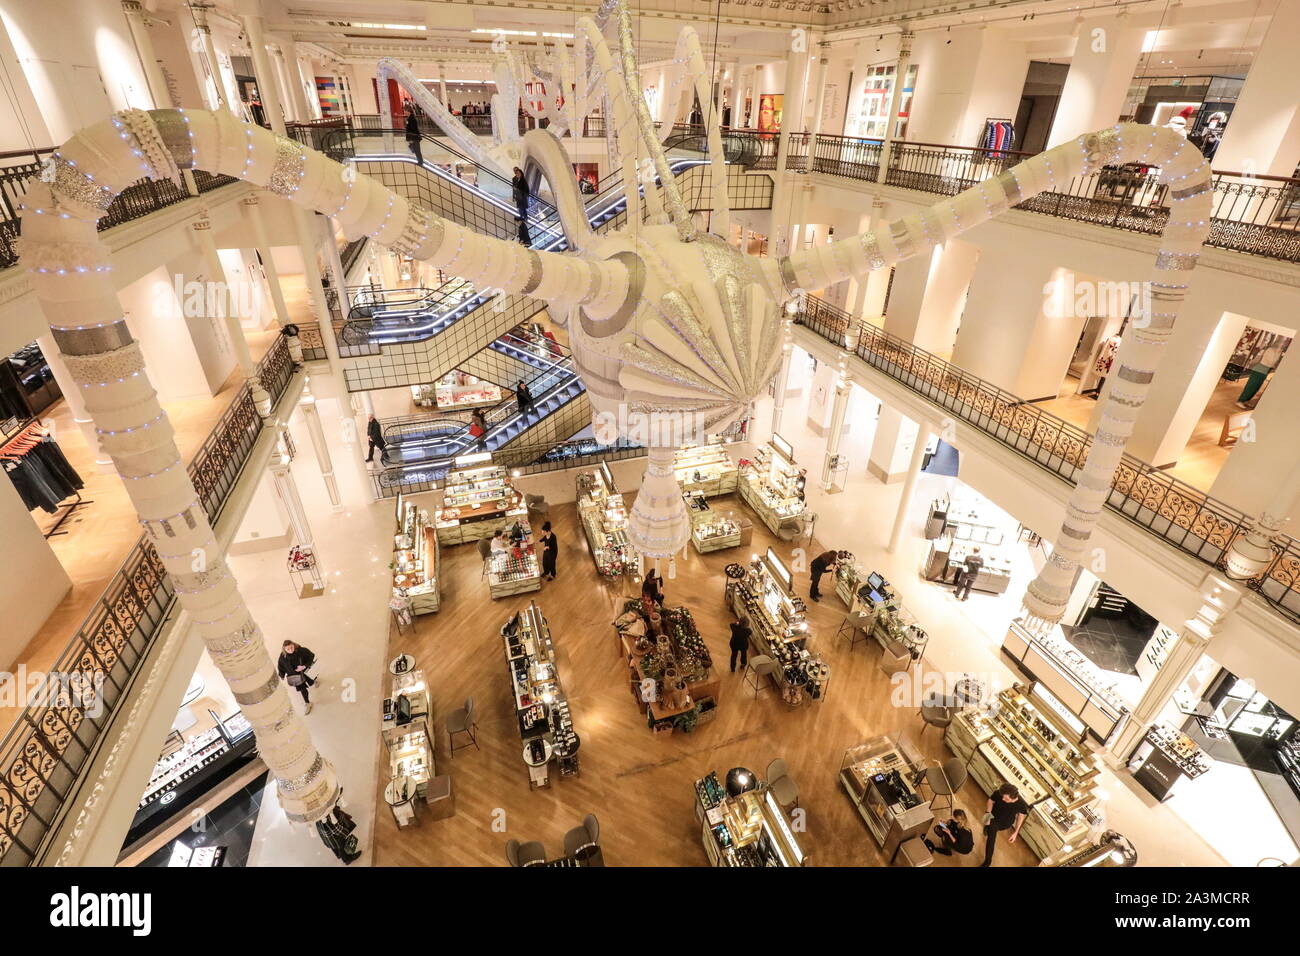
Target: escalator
x: 405, y: 341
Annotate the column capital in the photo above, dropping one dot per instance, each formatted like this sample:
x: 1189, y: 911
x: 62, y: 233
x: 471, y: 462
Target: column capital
x: 133, y: 7
x: 250, y: 200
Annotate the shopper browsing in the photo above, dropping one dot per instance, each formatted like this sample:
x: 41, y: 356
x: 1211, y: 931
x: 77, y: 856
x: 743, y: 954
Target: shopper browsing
x: 1006, y: 811
x: 739, y: 644
x: 293, y: 664
x: 550, y: 548
x: 499, y: 542
x: 955, y: 834
x: 652, y: 587
x: 824, y: 562
x: 966, y: 576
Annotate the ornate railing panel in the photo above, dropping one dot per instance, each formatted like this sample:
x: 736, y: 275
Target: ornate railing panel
x: 1173, y: 510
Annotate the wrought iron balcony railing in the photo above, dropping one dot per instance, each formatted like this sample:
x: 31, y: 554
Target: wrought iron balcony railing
x: 1174, y: 511
x: 49, y: 746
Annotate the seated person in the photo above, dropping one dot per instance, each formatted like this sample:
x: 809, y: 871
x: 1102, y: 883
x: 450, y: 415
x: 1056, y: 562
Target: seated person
x: 955, y: 834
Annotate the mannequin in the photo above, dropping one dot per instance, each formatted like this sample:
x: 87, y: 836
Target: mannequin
x: 1259, y: 373
x: 1207, y: 140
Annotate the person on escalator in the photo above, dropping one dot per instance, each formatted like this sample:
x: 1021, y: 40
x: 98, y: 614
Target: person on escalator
x: 519, y: 192
x: 413, y: 136
x: 376, y: 435
x: 525, y: 398
x: 478, y: 428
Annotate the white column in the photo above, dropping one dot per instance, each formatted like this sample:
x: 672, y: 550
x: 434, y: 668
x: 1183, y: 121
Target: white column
x: 253, y: 211
x: 311, y: 275
x: 287, y: 488
x: 1219, y: 599
x: 929, y: 295
x: 909, y: 487
x: 782, y: 377
x: 839, y: 409
x: 442, y: 84
x: 264, y: 73
x: 819, y: 104
x: 311, y: 414
x: 1263, y: 134
x: 281, y: 71
x: 335, y: 263
x: 895, y: 438
x: 895, y: 101
x: 796, y: 76
x: 296, y: 81
x: 199, y: 15
x: 73, y: 395
x: 136, y: 20
x: 1106, y: 54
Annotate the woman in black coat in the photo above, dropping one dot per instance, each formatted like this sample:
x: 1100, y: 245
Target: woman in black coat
x: 652, y: 587
x: 550, y: 548
x: 292, y: 665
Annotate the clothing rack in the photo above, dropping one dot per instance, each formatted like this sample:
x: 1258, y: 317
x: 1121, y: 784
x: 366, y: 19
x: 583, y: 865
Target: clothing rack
x: 31, y: 432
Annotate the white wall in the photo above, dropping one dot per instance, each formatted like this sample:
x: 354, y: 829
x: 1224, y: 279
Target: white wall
x: 32, y: 581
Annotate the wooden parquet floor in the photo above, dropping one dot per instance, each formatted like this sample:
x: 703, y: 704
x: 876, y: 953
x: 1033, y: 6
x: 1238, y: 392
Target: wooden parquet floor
x: 641, y: 787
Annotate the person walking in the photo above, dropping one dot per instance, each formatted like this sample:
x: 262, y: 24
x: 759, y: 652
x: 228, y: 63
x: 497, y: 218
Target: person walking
x: 550, y: 550
x: 519, y: 192
x: 376, y: 435
x: 292, y: 665
x: 739, y: 644
x: 1006, y: 811
x: 966, y: 576
x: 414, y: 137
x: 478, y: 428
x: 826, y: 561
x: 525, y: 398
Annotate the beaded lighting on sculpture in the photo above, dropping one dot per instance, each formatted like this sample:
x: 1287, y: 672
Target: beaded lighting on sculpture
x: 667, y: 325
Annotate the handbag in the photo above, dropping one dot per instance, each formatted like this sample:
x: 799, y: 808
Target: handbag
x: 295, y: 680
x: 476, y: 430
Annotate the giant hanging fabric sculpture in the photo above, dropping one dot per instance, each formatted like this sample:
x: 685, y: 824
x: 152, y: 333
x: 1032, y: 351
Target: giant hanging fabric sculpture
x: 667, y: 323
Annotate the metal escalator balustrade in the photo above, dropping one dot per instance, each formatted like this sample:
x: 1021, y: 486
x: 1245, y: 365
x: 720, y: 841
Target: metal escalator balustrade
x: 1172, y: 510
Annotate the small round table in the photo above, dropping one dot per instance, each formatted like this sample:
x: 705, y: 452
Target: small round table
x: 401, y: 664
x: 538, y: 776
x: 968, y: 691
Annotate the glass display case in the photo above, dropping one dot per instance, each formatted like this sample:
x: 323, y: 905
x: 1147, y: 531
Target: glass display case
x: 749, y: 829
x: 478, y: 500
x: 415, y: 558
x: 706, y: 469
x: 604, y: 522
x: 877, y: 776
x: 517, y: 569
x: 711, y: 529
x: 541, y: 707
x: 773, y: 485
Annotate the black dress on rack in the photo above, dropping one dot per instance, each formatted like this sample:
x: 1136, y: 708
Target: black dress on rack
x: 43, y: 476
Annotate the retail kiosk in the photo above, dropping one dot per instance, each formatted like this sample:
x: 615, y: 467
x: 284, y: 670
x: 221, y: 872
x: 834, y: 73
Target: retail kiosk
x: 772, y: 485
x: 712, y: 529
x: 409, y: 744
x: 541, y: 707
x: 478, y: 500
x: 877, y: 775
x: 764, y: 596
x: 744, y: 829
x: 516, y: 570
x: 670, y: 669
x: 415, y: 558
x: 1029, y: 739
x: 706, y: 470
x: 604, y: 521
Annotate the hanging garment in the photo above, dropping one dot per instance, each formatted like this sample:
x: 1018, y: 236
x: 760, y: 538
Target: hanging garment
x: 43, y: 476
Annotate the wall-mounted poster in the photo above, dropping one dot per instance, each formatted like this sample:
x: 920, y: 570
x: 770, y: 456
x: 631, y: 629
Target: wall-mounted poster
x: 872, y: 112
x: 769, y: 111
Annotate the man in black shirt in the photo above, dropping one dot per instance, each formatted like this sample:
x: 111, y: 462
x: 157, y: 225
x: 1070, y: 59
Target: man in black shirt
x: 966, y: 578
x: 739, y: 644
x: 1006, y: 811
x: 820, y: 565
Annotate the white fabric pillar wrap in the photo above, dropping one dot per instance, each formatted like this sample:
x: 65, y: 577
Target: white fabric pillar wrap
x: 658, y: 525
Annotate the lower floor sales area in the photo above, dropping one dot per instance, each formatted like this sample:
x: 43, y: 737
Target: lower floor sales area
x: 482, y: 712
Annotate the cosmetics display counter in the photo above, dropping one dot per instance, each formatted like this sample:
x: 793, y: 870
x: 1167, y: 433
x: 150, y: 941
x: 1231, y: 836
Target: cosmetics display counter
x: 877, y: 775
x: 764, y: 596
x: 964, y: 521
x: 1107, y: 850
x: 895, y: 629
x: 706, y: 469
x: 194, y: 768
x: 604, y: 521
x: 405, y: 731
x: 415, y: 558
x: 748, y: 829
x: 456, y: 389
x: 541, y: 707
x: 1164, y: 757
x: 478, y: 500
x: 517, y: 569
x: 670, y: 668
x: 711, y: 530
x: 848, y: 579
x: 948, y: 556
x: 1054, y: 663
x: 1029, y: 739
x: 772, y: 486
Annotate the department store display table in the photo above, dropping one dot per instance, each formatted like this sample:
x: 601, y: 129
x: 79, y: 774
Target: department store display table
x: 604, y: 522
x: 877, y: 776
x: 706, y: 470
x: 748, y: 829
x: 415, y: 558
x: 1029, y: 739
x: 515, y: 570
x: 763, y: 595
x: 711, y: 529
x: 948, y: 556
x: 772, y: 485
x: 478, y: 501
x: 541, y: 706
x: 670, y: 669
